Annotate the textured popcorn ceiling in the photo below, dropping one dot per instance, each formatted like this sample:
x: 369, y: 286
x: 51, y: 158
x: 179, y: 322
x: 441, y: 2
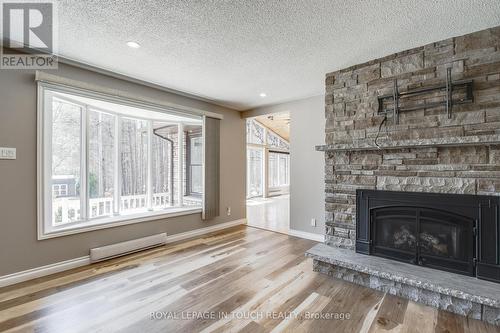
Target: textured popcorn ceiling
x: 230, y: 51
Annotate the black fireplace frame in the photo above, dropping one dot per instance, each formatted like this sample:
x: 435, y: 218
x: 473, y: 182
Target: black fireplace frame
x: 483, y: 212
x: 416, y: 218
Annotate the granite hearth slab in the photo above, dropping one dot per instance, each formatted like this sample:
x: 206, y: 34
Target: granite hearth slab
x: 361, y: 145
x: 456, y: 293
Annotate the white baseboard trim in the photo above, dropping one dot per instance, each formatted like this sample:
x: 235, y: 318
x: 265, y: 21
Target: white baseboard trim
x: 37, y: 272
x: 307, y: 235
x: 57, y: 267
x: 203, y: 231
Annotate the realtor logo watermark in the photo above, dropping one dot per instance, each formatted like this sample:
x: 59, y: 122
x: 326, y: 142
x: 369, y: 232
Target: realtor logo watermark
x: 28, y: 30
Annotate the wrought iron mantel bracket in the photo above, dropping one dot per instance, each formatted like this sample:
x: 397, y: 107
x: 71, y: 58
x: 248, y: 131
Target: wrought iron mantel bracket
x: 448, y: 87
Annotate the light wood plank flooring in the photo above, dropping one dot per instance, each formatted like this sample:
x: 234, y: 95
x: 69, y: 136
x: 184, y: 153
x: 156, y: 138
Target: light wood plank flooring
x: 269, y: 213
x: 240, y: 280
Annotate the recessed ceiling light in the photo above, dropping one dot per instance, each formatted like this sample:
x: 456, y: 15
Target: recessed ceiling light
x: 133, y: 45
x: 262, y: 94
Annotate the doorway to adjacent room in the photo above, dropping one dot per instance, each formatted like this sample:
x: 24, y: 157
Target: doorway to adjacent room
x: 268, y: 172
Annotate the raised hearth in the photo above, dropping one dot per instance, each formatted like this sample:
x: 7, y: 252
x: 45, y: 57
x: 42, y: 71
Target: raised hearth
x: 460, y: 294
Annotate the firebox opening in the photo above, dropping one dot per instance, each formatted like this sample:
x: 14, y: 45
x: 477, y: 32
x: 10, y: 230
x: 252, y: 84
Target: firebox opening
x: 427, y: 237
x: 450, y: 232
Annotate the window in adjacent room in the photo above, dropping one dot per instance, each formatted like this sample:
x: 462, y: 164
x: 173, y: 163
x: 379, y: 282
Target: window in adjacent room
x: 278, y: 169
x: 255, y: 172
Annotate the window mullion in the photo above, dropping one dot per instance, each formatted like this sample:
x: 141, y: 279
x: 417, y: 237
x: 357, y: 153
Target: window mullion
x: 180, y: 154
x: 149, y: 189
x: 265, y: 135
x: 116, y: 167
x: 187, y: 152
x: 283, y: 176
x: 277, y: 171
x: 84, y: 193
x: 265, y: 172
x: 280, y: 176
x: 288, y: 170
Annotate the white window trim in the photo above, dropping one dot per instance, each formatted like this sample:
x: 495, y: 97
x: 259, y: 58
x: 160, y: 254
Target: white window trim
x: 44, y: 192
x: 120, y: 96
x: 112, y: 222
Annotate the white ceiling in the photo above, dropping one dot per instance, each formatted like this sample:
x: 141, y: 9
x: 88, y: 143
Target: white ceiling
x: 230, y: 51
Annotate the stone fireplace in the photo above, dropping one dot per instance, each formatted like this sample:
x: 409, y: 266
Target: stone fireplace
x: 429, y: 153
x: 426, y: 151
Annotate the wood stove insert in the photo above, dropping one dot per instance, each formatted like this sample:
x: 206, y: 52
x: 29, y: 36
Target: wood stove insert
x: 451, y: 232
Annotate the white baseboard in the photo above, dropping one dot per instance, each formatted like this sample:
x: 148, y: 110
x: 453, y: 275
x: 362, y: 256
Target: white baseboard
x: 57, y: 267
x: 307, y: 235
x: 37, y: 272
x: 203, y: 231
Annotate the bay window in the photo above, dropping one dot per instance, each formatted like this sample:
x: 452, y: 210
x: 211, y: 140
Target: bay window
x: 105, y: 162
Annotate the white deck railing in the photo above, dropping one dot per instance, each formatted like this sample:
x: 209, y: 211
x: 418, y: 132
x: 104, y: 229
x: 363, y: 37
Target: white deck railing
x: 65, y: 210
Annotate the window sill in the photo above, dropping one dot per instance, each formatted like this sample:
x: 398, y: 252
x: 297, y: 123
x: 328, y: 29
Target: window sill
x: 112, y: 222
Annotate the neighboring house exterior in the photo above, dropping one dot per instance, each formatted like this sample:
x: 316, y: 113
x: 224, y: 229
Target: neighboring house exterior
x: 64, y: 186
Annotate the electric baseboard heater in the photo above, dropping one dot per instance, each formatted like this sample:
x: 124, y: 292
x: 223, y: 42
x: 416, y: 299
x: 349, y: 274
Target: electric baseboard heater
x: 123, y: 248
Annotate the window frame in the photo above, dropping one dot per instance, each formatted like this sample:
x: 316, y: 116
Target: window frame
x: 282, y: 183
x: 263, y: 163
x: 46, y: 229
x: 189, y: 176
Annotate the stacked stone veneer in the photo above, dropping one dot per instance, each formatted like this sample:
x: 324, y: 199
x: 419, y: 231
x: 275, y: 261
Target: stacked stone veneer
x: 352, y: 118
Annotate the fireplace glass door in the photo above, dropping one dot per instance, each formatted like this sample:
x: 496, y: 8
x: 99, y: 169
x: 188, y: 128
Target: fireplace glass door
x: 427, y: 237
x: 446, y: 241
x: 395, y: 233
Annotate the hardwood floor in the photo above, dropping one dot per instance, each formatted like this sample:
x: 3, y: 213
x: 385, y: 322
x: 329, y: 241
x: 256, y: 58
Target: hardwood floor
x: 243, y: 279
x: 269, y: 213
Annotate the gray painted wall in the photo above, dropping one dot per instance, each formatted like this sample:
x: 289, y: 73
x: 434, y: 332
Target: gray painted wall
x: 19, y: 247
x: 306, y: 165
